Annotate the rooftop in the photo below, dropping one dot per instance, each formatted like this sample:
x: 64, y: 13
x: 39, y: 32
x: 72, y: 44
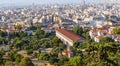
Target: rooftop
x: 70, y: 35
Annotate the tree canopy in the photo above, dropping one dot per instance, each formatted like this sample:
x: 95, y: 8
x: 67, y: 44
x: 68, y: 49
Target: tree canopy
x: 26, y: 62
x: 76, y: 61
x: 116, y: 30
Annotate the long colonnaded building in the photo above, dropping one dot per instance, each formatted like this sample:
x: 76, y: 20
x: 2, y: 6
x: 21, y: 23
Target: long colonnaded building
x: 68, y: 37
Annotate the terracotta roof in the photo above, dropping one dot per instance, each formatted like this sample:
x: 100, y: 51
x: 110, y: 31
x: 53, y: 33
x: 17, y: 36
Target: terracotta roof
x: 70, y: 35
x: 102, y: 28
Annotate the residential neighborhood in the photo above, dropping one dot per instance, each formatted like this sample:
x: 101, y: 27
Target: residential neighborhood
x: 60, y: 33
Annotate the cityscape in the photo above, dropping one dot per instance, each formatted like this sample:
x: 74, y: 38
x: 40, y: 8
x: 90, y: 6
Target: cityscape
x: 60, y: 33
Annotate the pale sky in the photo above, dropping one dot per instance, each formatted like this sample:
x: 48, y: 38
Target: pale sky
x: 28, y: 2
x: 40, y: 1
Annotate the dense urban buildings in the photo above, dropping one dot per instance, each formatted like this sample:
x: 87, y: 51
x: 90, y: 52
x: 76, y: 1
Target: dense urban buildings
x: 76, y: 34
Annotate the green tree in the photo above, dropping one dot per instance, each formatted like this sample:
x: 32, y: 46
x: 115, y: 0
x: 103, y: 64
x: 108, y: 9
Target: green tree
x: 78, y: 30
x: 3, y: 34
x: 76, y: 61
x: 53, y: 60
x: 39, y: 33
x: 1, y: 57
x: 63, y: 60
x: 26, y: 62
x: 22, y: 34
x: 2, y: 52
x: 77, y: 45
x: 1, y: 40
x: 106, y: 40
x: 116, y: 30
x: 18, y: 58
x: 18, y: 43
x: 57, y: 43
x: 44, y: 56
x: 9, y: 63
x: 29, y: 51
x: 101, y: 55
x: 15, y: 56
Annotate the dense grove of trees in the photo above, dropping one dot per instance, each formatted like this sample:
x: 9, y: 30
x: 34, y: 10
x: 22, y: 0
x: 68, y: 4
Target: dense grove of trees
x: 21, y: 41
x: 89, y: 53
x: 14, y: 59
x: 95, y: 54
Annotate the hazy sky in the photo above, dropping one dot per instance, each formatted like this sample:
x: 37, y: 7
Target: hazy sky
x: 40, y: 1
x: 29, y: 2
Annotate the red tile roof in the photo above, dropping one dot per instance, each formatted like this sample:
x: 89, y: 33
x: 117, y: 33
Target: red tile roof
x: 70, y: 35
x: 103, y: 28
